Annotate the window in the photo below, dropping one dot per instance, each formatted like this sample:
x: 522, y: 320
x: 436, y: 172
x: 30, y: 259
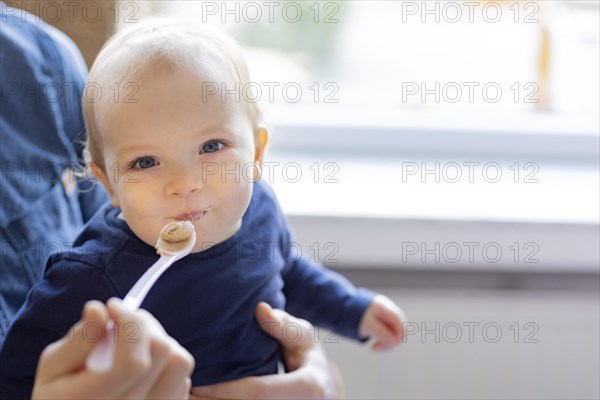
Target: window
x: 493, y: 60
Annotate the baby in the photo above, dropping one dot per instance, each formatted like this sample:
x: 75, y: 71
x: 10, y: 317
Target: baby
x: 166, y: 149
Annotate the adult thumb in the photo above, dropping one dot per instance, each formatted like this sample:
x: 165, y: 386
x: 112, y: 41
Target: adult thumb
x: 289, y: 331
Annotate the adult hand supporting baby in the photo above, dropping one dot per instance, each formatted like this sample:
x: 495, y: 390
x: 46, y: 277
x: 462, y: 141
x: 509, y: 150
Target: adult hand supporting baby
x: 309, y: 376
x: 151, y: 366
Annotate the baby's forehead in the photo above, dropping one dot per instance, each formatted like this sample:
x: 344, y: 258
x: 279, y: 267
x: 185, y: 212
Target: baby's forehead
x: 178, y: 92
x: 211, y: 72
x: 141, y: 61
x: 211, y: 82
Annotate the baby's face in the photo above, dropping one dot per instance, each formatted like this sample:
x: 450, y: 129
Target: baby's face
x: 176, y: 156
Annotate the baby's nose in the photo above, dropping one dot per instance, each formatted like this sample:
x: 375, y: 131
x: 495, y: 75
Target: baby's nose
x: 184, y: 183
x: 184, y: 192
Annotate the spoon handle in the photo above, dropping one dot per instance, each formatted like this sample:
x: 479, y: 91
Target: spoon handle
x: 138, y: 292
x: 102, y: 356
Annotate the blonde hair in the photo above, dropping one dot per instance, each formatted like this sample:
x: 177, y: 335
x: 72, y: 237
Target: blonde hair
x: 167, y: 45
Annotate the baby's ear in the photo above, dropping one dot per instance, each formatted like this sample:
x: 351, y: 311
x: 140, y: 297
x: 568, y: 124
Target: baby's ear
x: 97, y: 170
x: 261, y: 138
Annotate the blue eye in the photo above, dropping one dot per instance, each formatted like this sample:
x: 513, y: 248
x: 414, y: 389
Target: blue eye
x: 212, y: 146
x: 145, y: 163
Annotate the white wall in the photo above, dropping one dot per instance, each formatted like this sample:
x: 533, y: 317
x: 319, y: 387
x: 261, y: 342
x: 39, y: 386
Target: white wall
x: 564, y: 363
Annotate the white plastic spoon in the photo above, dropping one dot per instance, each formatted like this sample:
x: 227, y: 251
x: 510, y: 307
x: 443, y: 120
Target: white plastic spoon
x: 102, y: 356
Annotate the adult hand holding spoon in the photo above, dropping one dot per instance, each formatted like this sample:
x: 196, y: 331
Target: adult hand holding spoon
x: 176, y: 240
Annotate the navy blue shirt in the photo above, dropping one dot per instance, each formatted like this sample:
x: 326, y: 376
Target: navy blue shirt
x: 42, y: 205
x: 206, y: 301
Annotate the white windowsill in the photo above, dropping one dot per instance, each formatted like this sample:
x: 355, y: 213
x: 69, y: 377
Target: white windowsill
x: 361, y: 130
x: 374, y: 216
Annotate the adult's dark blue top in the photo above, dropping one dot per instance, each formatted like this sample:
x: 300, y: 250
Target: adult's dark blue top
x: 205, y: 301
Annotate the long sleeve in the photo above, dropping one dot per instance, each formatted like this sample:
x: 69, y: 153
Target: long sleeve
x: 321, y: 296
x: 66, y: 288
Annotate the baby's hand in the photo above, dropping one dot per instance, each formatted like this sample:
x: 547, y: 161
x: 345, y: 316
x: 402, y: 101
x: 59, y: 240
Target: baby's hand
x: 383, y: 320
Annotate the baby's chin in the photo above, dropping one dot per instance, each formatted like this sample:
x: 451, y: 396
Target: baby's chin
x: 201, y: 246
x: 203, y: 243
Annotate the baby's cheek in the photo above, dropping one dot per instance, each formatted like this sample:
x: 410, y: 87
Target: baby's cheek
x: 143, y: 214
x: 141, y: 192
x: 144, y: 229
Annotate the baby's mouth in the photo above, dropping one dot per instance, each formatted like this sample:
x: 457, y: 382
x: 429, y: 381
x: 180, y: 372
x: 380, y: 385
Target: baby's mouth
x: 197, y: 217
x: 192, y: 216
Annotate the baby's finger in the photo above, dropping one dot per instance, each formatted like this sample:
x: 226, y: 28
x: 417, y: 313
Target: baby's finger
x: 385, y: 336
x: 381, y: 346
x: 393, y: 318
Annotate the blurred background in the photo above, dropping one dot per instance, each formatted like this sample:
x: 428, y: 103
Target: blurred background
x: 443, y: 153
